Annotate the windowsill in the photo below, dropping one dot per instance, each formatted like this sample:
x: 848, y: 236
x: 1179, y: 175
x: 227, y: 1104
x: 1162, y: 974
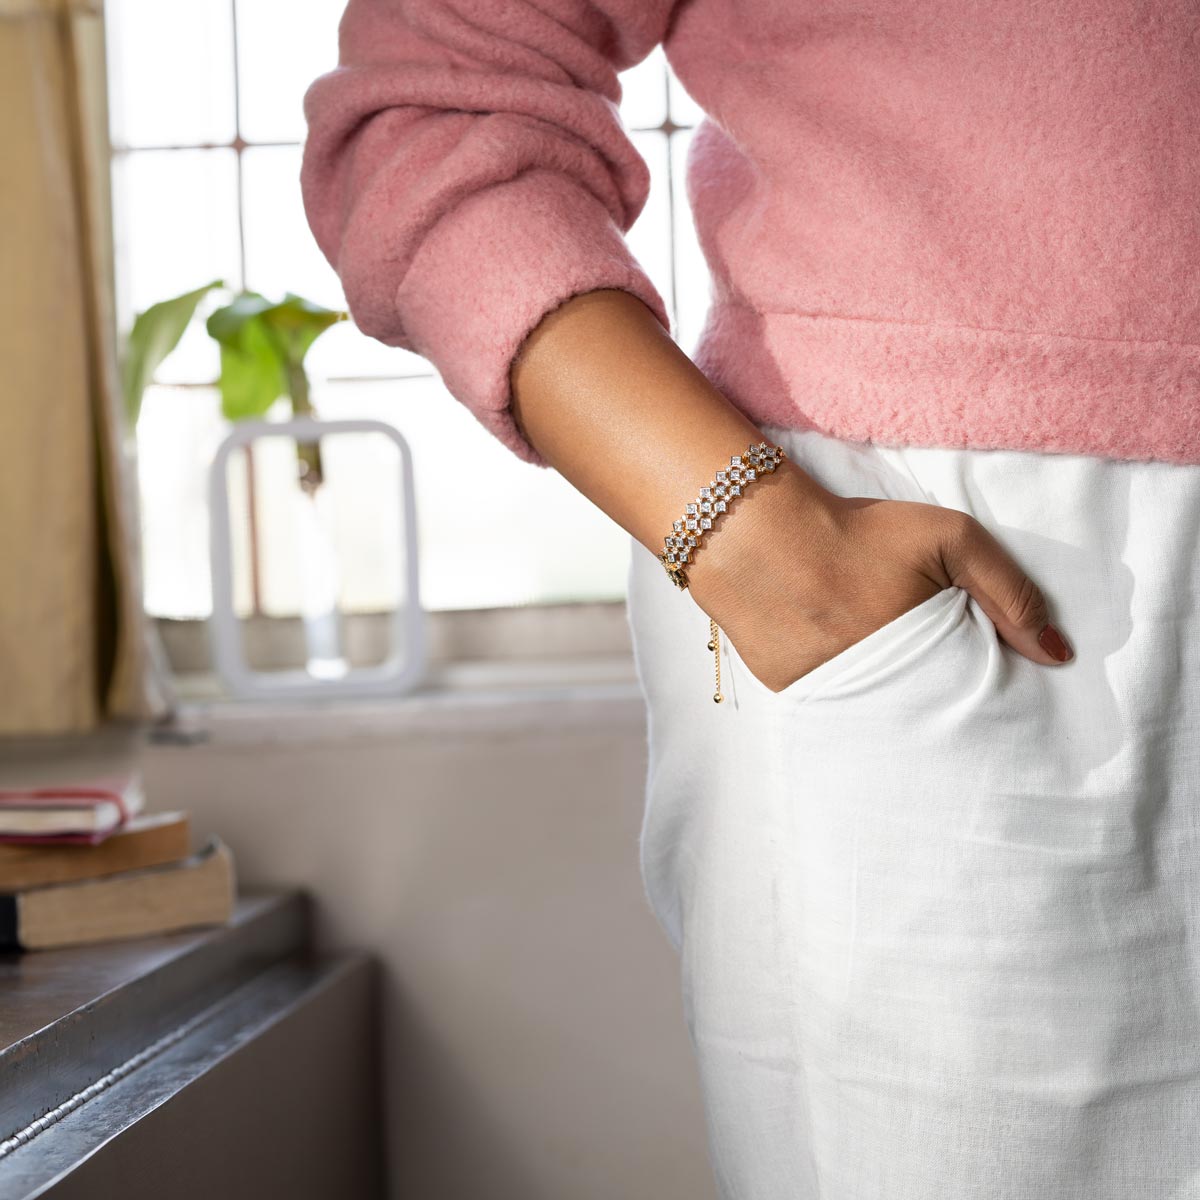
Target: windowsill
x: 534, y: 632
x: 458, y: 699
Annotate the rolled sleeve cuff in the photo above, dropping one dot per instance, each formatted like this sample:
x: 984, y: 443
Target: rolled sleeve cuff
x: 492, y: 267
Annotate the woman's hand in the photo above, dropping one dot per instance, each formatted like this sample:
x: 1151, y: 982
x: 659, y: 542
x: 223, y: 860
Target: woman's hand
x: 796, y: 574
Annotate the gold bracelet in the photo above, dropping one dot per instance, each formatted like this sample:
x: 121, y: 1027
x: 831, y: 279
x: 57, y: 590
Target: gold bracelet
x: 702, y: 514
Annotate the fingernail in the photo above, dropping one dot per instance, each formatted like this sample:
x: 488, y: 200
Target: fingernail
x: 1052, y: 642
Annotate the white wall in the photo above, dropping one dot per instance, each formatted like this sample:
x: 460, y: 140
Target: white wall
x: 485, y: 850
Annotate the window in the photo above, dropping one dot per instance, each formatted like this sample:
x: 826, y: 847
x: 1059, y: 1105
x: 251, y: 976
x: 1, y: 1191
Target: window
x: 207, y: 124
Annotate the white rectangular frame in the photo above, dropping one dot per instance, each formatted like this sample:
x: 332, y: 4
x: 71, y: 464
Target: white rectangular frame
x: 397, y: 674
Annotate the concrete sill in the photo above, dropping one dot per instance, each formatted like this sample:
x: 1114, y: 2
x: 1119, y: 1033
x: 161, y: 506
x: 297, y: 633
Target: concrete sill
x: 460, y: 699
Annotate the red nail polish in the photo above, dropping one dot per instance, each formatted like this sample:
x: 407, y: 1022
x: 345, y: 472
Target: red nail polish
x: 1052, y: 642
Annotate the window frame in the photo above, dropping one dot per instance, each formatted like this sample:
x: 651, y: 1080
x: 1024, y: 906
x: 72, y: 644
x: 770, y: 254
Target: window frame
x: 579, y: 628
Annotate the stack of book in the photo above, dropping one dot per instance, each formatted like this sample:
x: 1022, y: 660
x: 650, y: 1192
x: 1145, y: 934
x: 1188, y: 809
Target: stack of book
x: 82, y: 861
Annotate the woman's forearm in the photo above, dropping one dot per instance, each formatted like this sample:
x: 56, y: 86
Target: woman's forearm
x: 606, y: 396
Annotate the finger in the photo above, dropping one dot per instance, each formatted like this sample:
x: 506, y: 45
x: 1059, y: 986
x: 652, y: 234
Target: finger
x: 978, y: 563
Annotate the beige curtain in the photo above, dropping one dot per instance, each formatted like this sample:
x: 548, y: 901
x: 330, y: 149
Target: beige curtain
x: 73, y: 647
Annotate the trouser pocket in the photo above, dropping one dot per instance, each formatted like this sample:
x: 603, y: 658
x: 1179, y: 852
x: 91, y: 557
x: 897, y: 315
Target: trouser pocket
x: 894, y: 648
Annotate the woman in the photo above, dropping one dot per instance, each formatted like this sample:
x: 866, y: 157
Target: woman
x: 935, y: 883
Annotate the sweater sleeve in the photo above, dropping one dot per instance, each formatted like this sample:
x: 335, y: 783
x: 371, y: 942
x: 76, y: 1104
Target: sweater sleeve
x: 466, y: 172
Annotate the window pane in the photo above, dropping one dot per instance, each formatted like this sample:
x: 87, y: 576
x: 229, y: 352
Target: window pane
x: 178, y: 433
x: 176, y: 230
x: 282, y: 47
x: 644, y: 92
x: 691, y: 271
x: 281, y: 254
x: 494, y: 530
x: 170, y: 72
x: 346, y: 352
x: 684, y: 110
x: 359, y: 506
x: 650, y: 238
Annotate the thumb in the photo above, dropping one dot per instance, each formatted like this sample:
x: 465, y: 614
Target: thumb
x: 975, y: 561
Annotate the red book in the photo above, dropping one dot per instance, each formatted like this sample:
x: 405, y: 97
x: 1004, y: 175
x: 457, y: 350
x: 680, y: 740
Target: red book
x: 80, y: 811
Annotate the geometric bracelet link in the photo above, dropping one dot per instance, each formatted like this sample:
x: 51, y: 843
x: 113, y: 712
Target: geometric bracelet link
x: 702, y: 514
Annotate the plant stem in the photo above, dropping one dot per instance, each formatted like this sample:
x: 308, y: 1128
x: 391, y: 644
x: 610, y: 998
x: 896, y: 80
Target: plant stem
x: 252, y: 530
x: 312, y: 473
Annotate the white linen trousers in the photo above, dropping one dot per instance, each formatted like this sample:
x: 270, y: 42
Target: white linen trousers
x: 937, y: 906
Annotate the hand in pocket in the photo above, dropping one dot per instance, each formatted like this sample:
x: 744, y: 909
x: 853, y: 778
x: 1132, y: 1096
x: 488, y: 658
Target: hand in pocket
x: 798, y: 575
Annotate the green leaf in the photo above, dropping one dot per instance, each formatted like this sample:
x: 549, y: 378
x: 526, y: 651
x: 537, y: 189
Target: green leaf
x: 225, y: 325
x: 298, y: 323
x: 155, y: 333
x: 263, y: 345
x: 252, y: 363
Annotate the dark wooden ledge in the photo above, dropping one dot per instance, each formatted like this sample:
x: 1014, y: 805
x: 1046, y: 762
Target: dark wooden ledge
x: 230, y: 1062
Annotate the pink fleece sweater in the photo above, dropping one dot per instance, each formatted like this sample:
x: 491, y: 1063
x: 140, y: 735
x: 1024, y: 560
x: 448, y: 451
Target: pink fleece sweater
x: 932, y: 222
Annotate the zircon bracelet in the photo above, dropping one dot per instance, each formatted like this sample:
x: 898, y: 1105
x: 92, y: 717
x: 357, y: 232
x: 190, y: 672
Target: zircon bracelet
x: 702, y: 514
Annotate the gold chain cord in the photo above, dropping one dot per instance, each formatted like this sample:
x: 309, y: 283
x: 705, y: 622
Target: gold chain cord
x: 714, y: 644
